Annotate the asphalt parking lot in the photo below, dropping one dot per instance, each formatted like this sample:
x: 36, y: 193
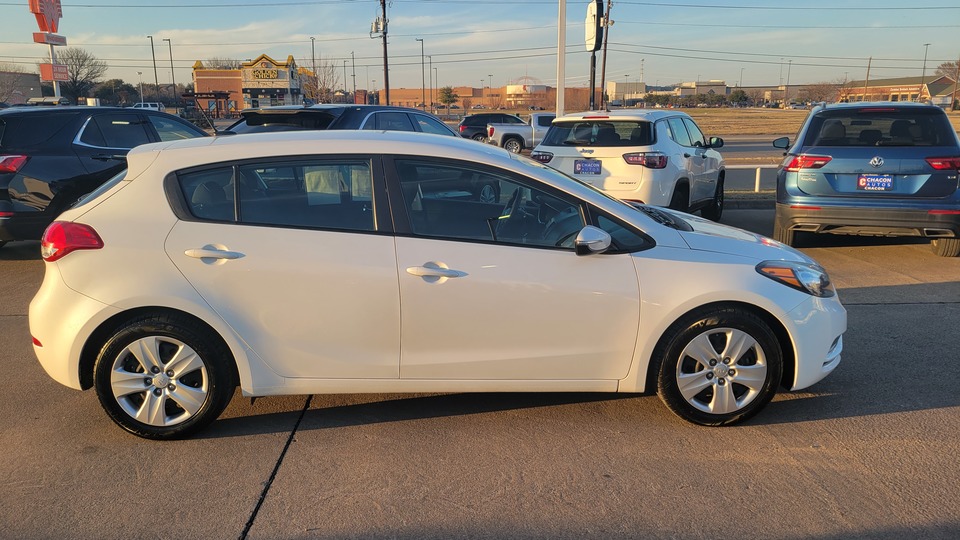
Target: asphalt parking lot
x: 870, y: 452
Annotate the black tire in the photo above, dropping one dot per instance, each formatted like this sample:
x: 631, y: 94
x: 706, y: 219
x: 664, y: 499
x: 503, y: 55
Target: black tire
x: 719, y: 391
x: 943, y: 247
x: 714, y: 210
x: 513, y: 145
x: 680, y: 200
x: 205, y: 382
x: 3, y: 243
x: 479, y: 137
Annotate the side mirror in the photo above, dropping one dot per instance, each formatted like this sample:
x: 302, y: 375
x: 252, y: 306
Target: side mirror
x: 716, y: 142
x: 592, y: 240
x: 782, y: 142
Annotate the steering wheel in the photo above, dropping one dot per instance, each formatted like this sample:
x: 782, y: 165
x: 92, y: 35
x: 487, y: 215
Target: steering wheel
x: 509, y: 210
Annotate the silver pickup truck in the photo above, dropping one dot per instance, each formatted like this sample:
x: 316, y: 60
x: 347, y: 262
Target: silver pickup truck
x: 516, y: 137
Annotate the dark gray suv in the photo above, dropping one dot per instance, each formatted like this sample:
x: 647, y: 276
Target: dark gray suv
x: 878, y: 169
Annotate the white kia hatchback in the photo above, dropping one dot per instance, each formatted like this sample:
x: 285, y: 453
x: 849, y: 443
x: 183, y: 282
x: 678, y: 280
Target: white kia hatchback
x: 322, y: 262
x: 657, y: 157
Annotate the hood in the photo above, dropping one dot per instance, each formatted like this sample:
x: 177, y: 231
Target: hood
x: 711, y: 236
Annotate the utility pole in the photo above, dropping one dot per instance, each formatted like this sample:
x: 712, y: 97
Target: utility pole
x: 786, y: 89
x: 156, y: 79
x: 173, y: 77
x: 423, y: 79
x: 923, y: 73
x: 353, y: 63
x: 561, y: 54
x: 867, y: 80
x: 956, y: 79
x: 603, y: 64
x: 386, y: 68
x: 140, y: 76
x: 345, y: 80
x: 313, y: 60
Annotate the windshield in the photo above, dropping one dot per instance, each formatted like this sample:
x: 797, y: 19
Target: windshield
x: 603, y: 132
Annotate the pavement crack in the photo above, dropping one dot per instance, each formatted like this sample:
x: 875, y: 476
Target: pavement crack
x: 276, y: 469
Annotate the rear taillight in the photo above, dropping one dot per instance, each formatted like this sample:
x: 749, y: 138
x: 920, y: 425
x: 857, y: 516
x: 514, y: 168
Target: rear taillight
x: 805, y: 161
x: 463, y: 128
x: 62, y: 237
x: 11, y: 164
x: 490, y: 131
x: 945, y: 163
x: 542, y: 157
x: 650, y: 160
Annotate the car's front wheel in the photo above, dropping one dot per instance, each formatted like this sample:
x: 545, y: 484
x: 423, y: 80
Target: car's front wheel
x: 163, y: 377
x: 479, y: 137
x: 718, y: 366
x: 714, y: 210
x: 944, y: 247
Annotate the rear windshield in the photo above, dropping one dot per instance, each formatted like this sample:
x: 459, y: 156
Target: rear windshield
x: 880, y: 126
x: 600, y: 133
x: 26, y: 130
x: 259, y: 122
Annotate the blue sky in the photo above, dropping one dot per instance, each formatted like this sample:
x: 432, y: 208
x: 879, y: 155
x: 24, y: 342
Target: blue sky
x: 500, y: 41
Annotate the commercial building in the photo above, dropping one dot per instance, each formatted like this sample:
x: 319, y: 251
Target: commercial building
x: 261, y: 82
x: 898, y: 89
x: 16, y: 87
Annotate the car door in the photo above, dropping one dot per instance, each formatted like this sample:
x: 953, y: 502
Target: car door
x: 691, y: 162
x: 709, y: 164
x: 302, y: 266
x: 494, y: 291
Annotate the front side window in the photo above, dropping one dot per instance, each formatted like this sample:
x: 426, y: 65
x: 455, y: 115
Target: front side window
x: 678, y: 132
x: 447, y: 200
x: 696, y: 136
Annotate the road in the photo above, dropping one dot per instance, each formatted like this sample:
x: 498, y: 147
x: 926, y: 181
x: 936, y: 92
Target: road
x: 870, y: 452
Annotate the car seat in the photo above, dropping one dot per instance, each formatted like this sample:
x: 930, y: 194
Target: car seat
x: 833, y: 133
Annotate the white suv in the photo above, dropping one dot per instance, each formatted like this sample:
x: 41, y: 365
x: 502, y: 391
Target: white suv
x: 151, y: 105
x: 659, y: 158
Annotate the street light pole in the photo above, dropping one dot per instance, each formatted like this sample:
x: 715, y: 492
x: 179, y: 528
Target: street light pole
x: 430, y: 74
x: 423, y: 79
x: 786, y: 89
x: 156, y: 78
x: 140, y: 75
x: 741, y: 79
x: 173, y: 77
x: 344, y: 80
x: 923, y: 73
x: 353, y: 64
x: 313, y: 61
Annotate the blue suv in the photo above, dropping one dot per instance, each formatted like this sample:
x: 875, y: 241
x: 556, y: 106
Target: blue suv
x: 878, y: 169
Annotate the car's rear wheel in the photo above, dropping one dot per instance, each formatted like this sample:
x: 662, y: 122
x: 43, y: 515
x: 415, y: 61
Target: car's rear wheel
x: 944, y: 247
x: 714, y: 210
x: 162, y: 377
x: 718, y: 366
x: 681, y: 198
x: 479, y: 137
x: 513, y: 145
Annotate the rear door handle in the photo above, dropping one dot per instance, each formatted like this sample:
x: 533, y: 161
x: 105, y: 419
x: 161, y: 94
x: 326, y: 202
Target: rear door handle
x: 212, y: 253
x: 109, y: 157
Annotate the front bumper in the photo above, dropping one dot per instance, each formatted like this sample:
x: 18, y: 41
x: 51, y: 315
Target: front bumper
x: 817, y: 327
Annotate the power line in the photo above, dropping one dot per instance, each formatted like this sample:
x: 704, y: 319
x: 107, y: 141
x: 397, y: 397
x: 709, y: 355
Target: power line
x: 508, y: 2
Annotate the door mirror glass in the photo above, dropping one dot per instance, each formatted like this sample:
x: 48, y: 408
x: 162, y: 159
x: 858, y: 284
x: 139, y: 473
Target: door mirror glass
x: 782, y: 142
x: 592, y: 240
x: 716, y: 142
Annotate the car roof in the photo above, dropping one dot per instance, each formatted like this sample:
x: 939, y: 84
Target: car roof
x: 325, y: 107
x: 883, y: 104
x: 185, y: 153
x: 649, y: 115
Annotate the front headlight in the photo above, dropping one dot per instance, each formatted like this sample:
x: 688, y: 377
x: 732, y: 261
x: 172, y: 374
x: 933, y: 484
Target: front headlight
x: 807, y: 277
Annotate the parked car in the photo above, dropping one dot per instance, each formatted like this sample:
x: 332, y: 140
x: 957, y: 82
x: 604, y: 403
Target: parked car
x: 150, y: 106
x: 51, y: 156
x: 517, y: 137
x: 475, y: 126
x: 319, y: 262
x: 338, y: 116
x: 880, y: 169
x: 650, y: 156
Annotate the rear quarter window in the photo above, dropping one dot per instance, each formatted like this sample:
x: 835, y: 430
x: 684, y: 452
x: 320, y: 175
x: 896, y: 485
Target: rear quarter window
x: 23, y: 131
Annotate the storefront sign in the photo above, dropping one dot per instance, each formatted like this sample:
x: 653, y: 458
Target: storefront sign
x: 265, y: 73
x: 54, y: 72
x: 49, y: 39
x: 48, y: 13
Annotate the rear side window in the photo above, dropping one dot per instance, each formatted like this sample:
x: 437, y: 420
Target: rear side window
x: 880, y: 126
x: 600, y: 133
x: 114, y: 131
x: 260, y: 122
x: 29, y: 130
x: 429, y: 125
x: 390, y: 121
x: 170, y: 129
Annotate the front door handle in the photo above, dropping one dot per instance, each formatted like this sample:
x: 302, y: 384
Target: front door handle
x: 434, y: 271
x: 211, y: 254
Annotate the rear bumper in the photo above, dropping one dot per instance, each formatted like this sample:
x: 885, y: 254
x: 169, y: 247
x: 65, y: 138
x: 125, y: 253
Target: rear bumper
x: 870, y: 221
x: 24, y: 226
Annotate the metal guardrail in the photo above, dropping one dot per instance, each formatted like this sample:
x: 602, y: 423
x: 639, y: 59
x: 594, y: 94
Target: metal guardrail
x: 756, y: 186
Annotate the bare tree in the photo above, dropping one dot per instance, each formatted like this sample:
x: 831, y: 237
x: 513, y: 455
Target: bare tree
x: 948, y: 69
x: 85, y: 72
x: 9, y: 77
x: 218, y: 62
x: 328, y: 79
x: 756, y: 96
x: 821, y: 91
